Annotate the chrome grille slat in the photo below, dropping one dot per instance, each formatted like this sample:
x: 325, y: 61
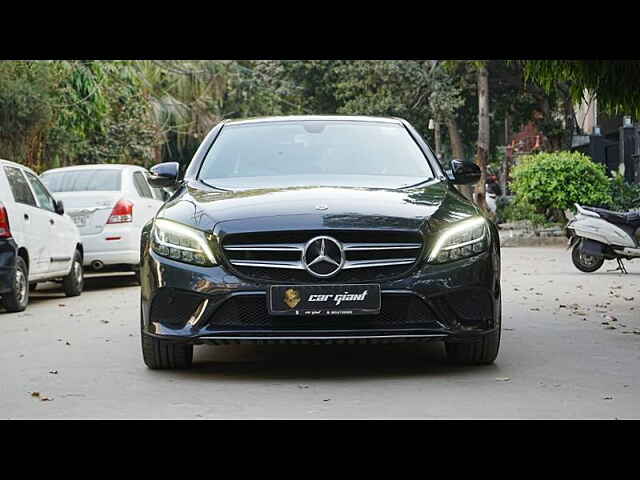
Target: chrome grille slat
x: 381, y: 246
x: 376, y: 263
x: 275, y: 247
x: 268, y: 264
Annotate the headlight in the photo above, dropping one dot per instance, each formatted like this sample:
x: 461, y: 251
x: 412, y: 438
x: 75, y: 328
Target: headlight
x: 465, y: 239
x: 182, y: 243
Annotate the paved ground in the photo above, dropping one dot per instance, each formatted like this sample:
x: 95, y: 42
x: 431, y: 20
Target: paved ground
x: 557, y: 360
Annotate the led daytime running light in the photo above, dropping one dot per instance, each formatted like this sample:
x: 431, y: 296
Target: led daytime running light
x: 177, y: 229
x: 450, y: 232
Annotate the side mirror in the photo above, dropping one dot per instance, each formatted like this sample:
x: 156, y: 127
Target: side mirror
x: 59, y: 207
x: 465, y: 172
x: 164, y: 174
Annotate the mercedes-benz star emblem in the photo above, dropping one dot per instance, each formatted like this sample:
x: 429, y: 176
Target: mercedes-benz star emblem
x: 323, y: 257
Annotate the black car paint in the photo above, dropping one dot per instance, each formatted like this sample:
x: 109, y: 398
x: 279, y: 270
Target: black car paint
x: 426, y: 208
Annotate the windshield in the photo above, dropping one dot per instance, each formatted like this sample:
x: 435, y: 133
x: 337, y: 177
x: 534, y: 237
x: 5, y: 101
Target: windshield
x: 82, y: 180
x: 331, y: 153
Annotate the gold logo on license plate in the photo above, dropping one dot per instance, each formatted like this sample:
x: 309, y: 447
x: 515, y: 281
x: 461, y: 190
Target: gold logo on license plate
x: 291, y: 297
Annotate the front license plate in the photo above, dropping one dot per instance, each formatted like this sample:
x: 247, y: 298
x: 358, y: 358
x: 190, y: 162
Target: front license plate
x: 324, y: 300
x: 80, y: 220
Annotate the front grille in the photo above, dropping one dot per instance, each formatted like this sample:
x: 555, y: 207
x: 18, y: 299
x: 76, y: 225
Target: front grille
x: 250, y: 312
x: 278, y: 256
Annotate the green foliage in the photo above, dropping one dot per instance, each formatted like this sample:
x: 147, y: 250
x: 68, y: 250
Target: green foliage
x: 553, y: 182
x: 623, y: 195
x: 517, y: 211
x: 56, y: 113
x: 615, y: 82
x: 25, y: 89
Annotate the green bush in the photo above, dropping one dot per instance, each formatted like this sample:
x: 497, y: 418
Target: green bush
x: 624, y: 196
x: 553, y: 182
x: 518, y: 210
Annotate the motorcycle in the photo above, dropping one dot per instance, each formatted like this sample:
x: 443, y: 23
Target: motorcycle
x: 596, y: 235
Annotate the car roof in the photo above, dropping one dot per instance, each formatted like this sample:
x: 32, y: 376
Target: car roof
x: 304, y: 118
x: 14, y: 164
x: 97, y: 166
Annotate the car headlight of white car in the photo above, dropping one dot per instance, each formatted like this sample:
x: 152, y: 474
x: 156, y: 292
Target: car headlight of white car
x: 464, y: 239
x: 182, y: 243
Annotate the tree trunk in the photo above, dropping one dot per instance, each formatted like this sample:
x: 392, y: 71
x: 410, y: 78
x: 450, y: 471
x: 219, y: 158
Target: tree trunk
x: 504, y: 170
x: 436, y: 133
x: 457, y: 149
x: 482, y: 152
x: 569, y: 121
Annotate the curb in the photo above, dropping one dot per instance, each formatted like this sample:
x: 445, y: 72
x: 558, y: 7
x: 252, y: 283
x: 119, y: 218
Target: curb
x: 528, y: 238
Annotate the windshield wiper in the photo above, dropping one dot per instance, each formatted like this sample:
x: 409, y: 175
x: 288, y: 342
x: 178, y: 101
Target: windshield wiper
x: 213, y: 186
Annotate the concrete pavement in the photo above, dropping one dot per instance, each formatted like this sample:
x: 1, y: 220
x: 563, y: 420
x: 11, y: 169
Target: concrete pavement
x: 570, y: 349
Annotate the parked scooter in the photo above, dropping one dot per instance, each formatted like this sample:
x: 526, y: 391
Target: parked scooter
x: 597, y: 235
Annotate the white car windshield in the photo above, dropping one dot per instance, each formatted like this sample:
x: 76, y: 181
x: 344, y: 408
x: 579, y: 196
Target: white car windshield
x: 310, y: 152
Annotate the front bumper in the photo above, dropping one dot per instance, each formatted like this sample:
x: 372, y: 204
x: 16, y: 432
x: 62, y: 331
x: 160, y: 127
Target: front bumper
x: 8, y: 254
x: 457, y: 301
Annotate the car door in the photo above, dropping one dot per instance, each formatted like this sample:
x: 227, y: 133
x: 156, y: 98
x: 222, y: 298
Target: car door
x: 31, y: 220
x: 61, y: 235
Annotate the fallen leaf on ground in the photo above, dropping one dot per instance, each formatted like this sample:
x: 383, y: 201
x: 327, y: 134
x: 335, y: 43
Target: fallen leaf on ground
x: 53, y: 372
x: 608, y: 397
x: 35, y: 394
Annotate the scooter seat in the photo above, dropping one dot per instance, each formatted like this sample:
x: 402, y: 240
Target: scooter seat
x: 621, y: 218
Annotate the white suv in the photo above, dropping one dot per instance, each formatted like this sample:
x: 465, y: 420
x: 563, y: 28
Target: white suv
x: 110, y: 204
x: 38, y: 242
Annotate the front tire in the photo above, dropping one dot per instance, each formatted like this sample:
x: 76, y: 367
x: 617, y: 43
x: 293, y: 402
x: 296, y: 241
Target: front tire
x: 18, y: 299
x: 585, y: 263
x: 165, y: 355
x: 73, y: 283
x: 483, y: 352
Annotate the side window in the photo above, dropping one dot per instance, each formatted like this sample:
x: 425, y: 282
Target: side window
x: 158, y: 193
x: 141, y: 185
x: 19, y: 186
x: 45, y: 200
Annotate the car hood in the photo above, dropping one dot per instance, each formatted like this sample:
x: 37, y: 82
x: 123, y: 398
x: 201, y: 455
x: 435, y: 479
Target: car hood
x: 293, y: 208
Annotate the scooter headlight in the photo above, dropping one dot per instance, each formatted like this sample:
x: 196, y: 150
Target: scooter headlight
x: 184, y: 244
x: 465, y: 239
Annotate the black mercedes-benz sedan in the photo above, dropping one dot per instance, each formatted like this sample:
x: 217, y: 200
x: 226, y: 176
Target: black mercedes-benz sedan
x: 315, y: 229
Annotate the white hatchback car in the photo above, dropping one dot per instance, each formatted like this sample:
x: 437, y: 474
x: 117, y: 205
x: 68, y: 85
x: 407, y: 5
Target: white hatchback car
x: 109, y: 204
x: 38, y: 242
